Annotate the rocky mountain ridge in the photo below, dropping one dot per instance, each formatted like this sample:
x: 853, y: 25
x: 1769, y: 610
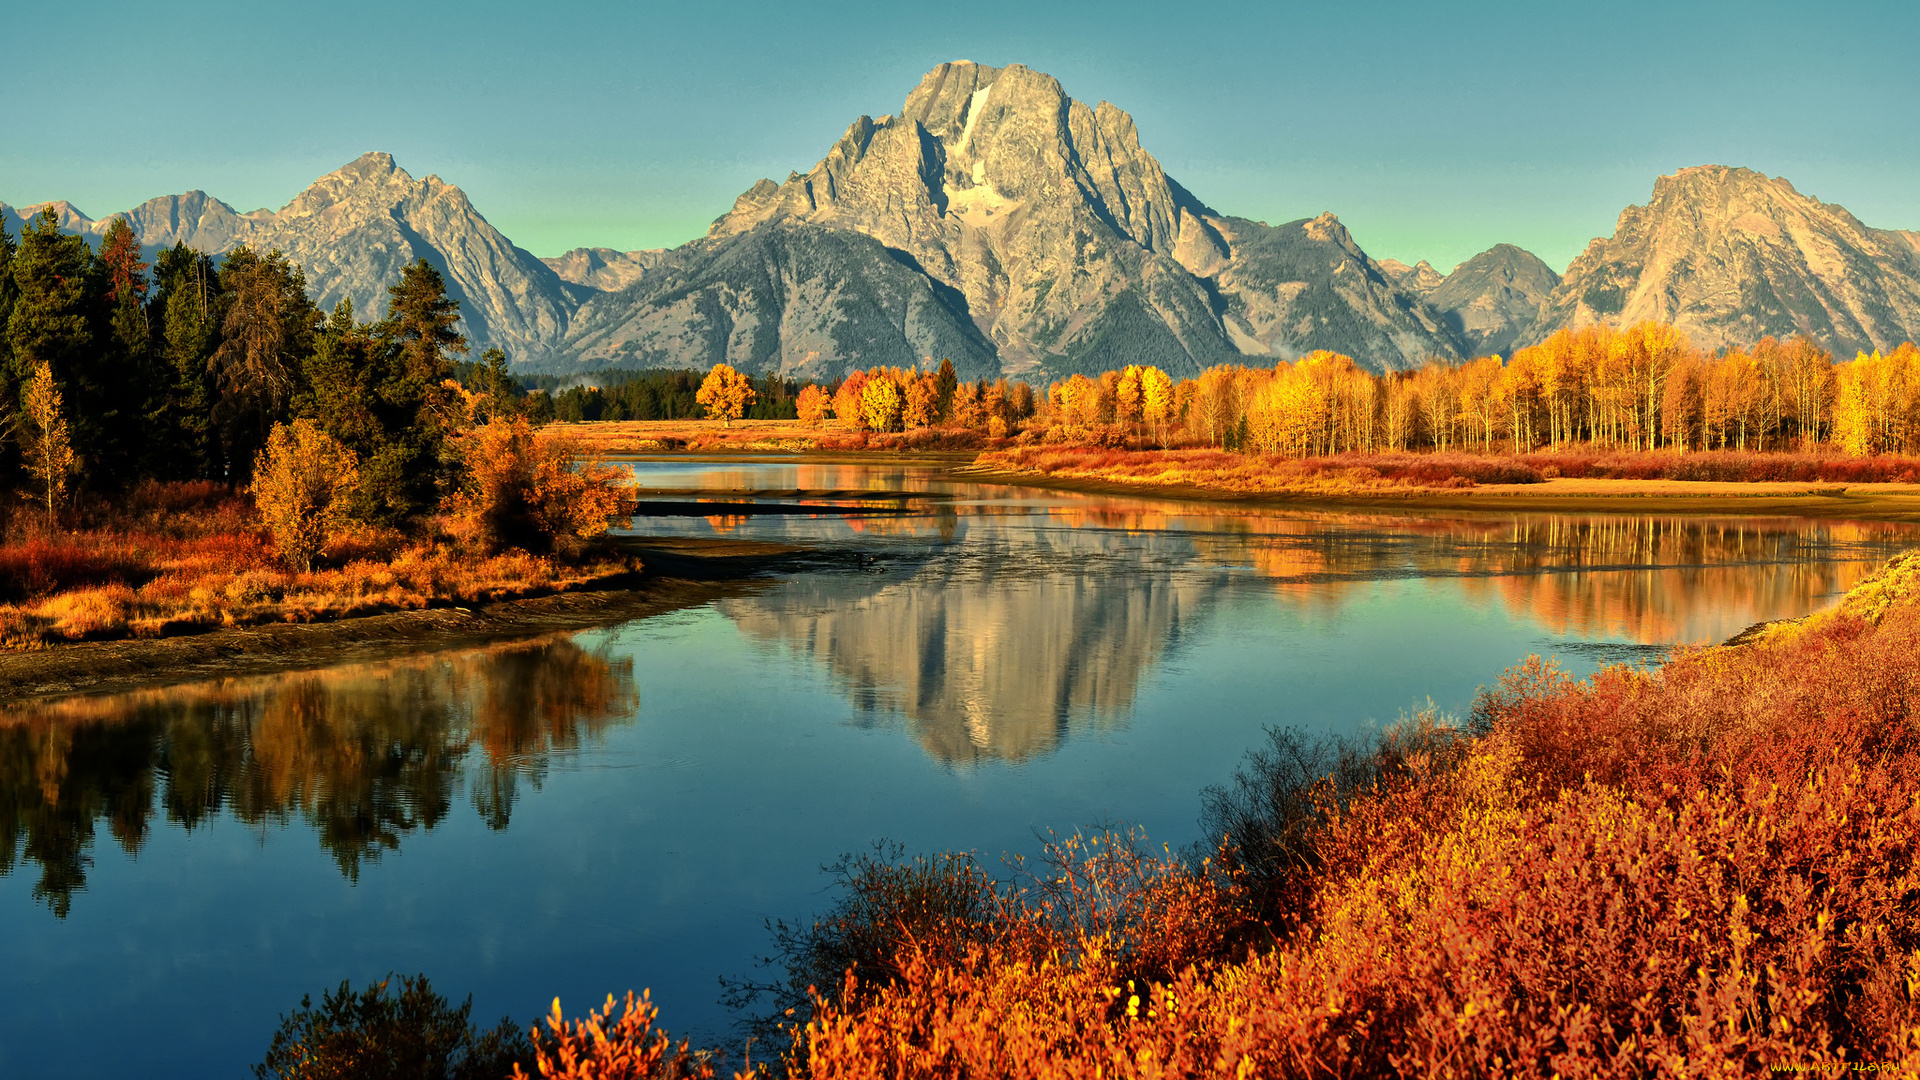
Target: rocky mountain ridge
x: 998, y: 221
x: 1731, y: 255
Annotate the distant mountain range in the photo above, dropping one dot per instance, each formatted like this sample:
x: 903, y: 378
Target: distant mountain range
x: 997, y: 221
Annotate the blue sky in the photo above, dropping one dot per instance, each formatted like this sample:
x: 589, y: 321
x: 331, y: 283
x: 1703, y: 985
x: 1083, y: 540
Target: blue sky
x: 1434, y: 130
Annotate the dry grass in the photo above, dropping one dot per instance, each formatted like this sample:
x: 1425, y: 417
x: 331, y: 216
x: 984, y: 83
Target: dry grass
x: 1398, y: 471
x: 183, y: 558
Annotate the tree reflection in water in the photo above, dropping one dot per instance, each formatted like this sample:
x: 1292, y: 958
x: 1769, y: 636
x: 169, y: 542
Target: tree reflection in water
x: 364, y: 754
x: 1044, y: 619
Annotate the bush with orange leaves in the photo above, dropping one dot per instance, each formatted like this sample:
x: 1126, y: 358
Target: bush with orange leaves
x: 529, y: 489
x: 602, y: 1047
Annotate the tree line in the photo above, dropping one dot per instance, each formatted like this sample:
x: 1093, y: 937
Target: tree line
x: 1638, y: 388
x: 180, y: 370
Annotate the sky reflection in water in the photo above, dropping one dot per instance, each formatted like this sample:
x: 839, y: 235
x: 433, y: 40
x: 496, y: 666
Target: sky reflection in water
x: 513, y: 822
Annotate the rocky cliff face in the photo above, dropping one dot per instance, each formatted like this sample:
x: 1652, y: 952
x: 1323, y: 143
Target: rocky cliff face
x: 1071, y: 247
x: 785, y: 296
x: 1494, y: 298
x: 355, y: 229
x: 1731, y: 255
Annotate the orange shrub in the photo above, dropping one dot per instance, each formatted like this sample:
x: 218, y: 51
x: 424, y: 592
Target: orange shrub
x: 529, y: 490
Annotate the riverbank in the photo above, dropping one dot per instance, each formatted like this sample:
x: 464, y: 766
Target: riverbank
x: 675, y: 574
x: 1878, y: 502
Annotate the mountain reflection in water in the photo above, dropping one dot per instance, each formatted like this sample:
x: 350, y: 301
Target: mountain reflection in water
x: 1048, y: 618
x: 363, y: 755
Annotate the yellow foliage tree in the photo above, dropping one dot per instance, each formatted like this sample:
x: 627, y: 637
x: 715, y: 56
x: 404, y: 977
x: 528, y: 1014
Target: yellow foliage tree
x: 923, y: 401
x: 812, y: 404
x: 1156, y: 396
x: 725, y: 394
x: 49, y: 450
x: 882, y: 405
x: 302, y: 486
x: 530, y: 489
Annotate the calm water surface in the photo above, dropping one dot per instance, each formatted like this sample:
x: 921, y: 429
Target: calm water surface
x: 623, y: 807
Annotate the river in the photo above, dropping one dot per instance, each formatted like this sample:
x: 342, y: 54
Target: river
x: 624, y: 807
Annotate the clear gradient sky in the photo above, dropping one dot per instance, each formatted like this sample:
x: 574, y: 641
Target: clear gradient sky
x: 1434, y: 130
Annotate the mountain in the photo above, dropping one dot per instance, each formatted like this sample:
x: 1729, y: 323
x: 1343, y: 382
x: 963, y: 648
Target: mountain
x: 604, y: 269
x: 1731, y: 255
x: 1419, y: 279
x: 1042, y: 222
x: 787, y: 296
x: 1494, y: 298
x: 353, y: 231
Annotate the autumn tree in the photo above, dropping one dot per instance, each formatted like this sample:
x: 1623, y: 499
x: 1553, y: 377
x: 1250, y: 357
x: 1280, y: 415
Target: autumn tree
x: 923, y: 401
x: 528, y: 489
x: 725, y: 394
x: 846, y: 401
x: 50, y: 458
x: 1156, y: 396
x: 303, y: 486
x: 812, y: 404
x: 882, y: 405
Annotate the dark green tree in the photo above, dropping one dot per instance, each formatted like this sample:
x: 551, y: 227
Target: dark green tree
x: 948, y: 383
x: 379, y: 1034
x: 421, y: 337
x: 50, y: 320
x: 266, y: 331
x: 116, y: 387
x: 502, y: 393
x: 186, y: 303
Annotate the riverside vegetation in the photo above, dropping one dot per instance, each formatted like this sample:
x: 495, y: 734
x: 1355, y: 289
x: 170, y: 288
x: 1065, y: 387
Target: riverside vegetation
x: 1640, y: 403
x: 200, y: 446
x: 1701, y: 869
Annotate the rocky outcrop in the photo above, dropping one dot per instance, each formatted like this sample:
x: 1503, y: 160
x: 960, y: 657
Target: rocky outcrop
x: 1419, y: 279
x: 1493, y: 299
x: 1731, y: 255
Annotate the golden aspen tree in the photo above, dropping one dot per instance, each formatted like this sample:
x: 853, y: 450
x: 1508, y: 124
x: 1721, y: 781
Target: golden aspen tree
x: 302, y: 486
x: 1156, y: 396
x: 882, y: 404
x: 725, y: 394
x: 1127, y: 405
x: 923, y: 401
x: 49, y: 449
x: 812, y: 404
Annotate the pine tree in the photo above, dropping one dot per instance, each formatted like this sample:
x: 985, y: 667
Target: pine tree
x: 946, y: 383
x: 49, y: 323
x: 266, y: 331
x: 180, y: 417
x: 119, y: 382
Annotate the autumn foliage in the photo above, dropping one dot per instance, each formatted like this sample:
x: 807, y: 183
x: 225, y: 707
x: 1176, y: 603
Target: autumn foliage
x: 1704, y: 869
x: 528, y: 489
x: 725, y: 394
x: 302, y: 485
